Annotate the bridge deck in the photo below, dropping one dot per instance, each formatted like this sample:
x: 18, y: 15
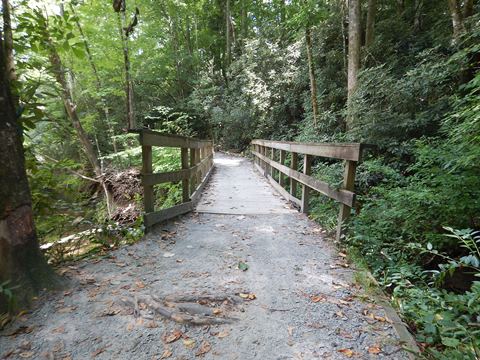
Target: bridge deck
x: 305, y: 303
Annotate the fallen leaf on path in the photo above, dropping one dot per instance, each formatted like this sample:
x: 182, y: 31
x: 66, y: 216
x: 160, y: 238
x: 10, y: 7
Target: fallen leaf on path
x: 151, y: 325
x: 347, y: 352
x: 223, y: 334
x: 130, y: 327
x: 374, y: 349
x: 342, y: 254
x: 243, y: 266
x: 341, y: 314
x: 174, y: 336
x: 204, y: 348
x: 98, y: 351
x: 217, y: 311
x: 247, y: 296
x: 26, y: 354
x: 59, y: 330
x: 189, y: 343
x: 166, y: 354
x: 139, y: 284
x: 290, y: 330
x: 318, y: 298
x: 168, y: 255
x: 66, y: 309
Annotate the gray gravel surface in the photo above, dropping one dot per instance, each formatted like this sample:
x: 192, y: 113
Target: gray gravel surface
x: 306, y: 304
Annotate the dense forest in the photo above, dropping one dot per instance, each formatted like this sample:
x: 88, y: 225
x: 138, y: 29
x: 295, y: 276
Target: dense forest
x: 401, y: 75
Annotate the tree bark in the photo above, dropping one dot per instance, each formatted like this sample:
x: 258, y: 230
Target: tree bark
x: 128, y: 80
x: 354, y: 40
x: 20, y: 259
x: 370, y: 27
x: 11, y: 74
x: 457, y: 20
x: 467, y: 8
x: 311, y: 73
x: 244, y: 15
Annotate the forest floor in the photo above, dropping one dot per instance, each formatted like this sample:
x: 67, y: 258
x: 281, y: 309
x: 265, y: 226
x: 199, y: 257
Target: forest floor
x: 243, y: 277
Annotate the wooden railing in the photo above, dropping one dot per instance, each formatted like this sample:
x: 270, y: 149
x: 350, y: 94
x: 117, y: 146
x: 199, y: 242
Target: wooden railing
x: 265, y: 155
x: 196, y: 168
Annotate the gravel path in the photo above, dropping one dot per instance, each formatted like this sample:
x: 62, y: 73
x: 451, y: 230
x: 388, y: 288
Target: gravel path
x: 294, y: 297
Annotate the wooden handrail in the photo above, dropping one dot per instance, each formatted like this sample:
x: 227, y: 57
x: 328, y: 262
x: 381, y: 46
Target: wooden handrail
x: 197, y: 165
x: 264, y: 153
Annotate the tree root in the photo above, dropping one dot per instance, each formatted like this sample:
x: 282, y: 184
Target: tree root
x: 181, y: 313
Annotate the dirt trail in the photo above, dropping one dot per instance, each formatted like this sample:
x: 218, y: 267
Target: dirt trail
x: 303, y: 302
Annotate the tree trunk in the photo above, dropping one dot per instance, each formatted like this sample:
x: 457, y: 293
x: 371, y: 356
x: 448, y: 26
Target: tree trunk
x: 21, y: 261
x: 311, y: 73
x: 244, y: 15
x: 417, y: 20
x: 354, y: 39
x: 457, y: 20
x: 98, y: 82
x: 228, y: 40
x: 128, y: 81
x: 8, y: 48
x: 370, y: 27
x: 467, y: 8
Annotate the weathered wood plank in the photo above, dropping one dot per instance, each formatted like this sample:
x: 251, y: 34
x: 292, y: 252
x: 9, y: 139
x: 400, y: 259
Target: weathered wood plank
x: 153, y: 218
x: 148, y: 194
x: 294, y: 167
x: 283, y: 156
x: 345, y: 151
x: 171, y: 176
x: 344, y: 196
x: 307, y: 170
x: 348, y: 184
x: 186, y: 180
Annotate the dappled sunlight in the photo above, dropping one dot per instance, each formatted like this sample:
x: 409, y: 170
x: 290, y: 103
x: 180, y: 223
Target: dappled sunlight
x: 227, y: 162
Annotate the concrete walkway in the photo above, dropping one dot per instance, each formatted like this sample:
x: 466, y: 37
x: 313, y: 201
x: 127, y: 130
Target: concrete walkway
x: 246, y: 257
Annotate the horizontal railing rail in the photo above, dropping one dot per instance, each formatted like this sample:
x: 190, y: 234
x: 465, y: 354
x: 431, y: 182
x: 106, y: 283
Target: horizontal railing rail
x: 265, y: 152
x: 196, y: 168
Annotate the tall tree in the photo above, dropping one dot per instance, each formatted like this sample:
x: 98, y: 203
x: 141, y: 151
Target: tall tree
x: 457, y: 19
x: 370, y: 26
x: 120, y: 8
x: 20, y: 259
x: 354, y: 43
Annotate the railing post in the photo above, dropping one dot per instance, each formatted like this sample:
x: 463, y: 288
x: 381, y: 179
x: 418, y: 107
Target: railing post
x: 272, y: 155
x: 348, y: 184
x: 185, y: 182
x: 193, y: 177
x: 294, y: 166
x: 198, y: 173
x: 148, y: 197
x: 281, y: 178
x: 307, y: 170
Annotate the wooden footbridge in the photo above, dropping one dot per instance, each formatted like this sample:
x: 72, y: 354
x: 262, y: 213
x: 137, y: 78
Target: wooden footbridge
x: 270, y: 159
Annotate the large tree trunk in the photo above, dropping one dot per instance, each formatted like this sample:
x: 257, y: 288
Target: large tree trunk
x: 370, y: 27
x: 20, y: 259
x: 98, y: 82
x: 311, y: 73
x: 128, y: 80
x: 457, y: 19
x: 354, y: 43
